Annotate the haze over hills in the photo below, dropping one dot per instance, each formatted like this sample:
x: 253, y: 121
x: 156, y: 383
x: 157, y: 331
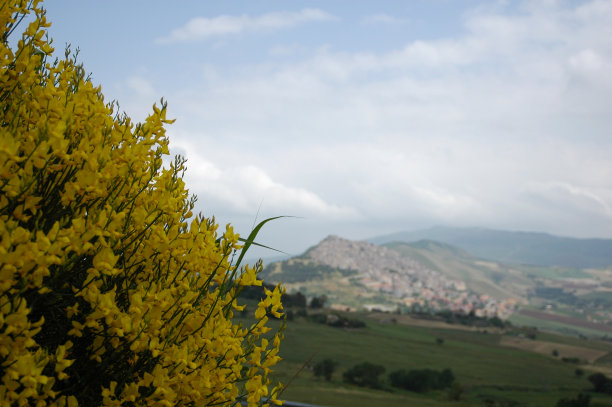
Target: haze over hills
x: 515, y: 247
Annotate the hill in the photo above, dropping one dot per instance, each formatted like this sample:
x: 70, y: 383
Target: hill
x: 429, y: 276
x: 515, y: 247
x: 363, y: 275
x: 486, y: 277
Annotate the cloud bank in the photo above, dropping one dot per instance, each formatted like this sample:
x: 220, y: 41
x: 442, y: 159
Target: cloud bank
x: 243, y: 189
x: 202, y: 28
x: 505, y: 124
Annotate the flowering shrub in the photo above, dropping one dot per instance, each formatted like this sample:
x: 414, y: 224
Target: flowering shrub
x: 111, y: 291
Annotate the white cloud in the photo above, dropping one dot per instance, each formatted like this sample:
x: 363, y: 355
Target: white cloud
x: 201, y: 28
x: 241, y: 188
x: 582, y: 199
x: 504, y: 122
x: 491, y: 128
x: 592, y: 66
x: 382, y: 18
x: 569, y: 209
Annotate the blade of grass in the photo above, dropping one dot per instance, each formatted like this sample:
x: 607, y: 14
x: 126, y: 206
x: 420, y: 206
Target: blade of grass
x: 262, y: 245
x: 247, y: 244
x: 297, y: 373
x: 251, y: 239
x: 257, y: 214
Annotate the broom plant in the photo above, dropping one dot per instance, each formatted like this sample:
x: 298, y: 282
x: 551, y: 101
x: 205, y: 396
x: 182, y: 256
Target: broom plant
x: 112, y: 292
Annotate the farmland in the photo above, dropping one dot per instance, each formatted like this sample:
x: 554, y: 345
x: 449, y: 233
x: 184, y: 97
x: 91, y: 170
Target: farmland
x: 493, y: 366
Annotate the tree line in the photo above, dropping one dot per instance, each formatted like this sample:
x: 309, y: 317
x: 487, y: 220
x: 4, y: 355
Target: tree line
x: 368, y: 374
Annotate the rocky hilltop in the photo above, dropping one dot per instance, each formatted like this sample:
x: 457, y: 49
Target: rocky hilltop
x: 364, y: 257
x: 363, y: 275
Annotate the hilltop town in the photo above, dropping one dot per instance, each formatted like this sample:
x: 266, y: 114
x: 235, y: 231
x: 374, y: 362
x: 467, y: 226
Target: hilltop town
x: 382, y: 279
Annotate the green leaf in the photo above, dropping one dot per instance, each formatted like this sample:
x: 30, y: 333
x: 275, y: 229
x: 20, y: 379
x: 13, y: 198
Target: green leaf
x: 251, y: 239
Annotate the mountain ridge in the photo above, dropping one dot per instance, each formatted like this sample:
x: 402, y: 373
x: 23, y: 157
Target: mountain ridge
x: 514, y: 247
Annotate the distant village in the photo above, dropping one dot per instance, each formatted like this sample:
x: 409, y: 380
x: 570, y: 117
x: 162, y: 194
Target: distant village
x: 409, y: 284
x: 435, y: 293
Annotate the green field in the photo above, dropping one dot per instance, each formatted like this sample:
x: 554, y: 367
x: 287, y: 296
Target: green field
x: 491, y: 374
x: 555, y: 326
x: 555, y: 273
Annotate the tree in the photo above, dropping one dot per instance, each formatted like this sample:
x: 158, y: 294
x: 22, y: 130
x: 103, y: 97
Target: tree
x: 325, y: 368
x: 582, y: 400
x: 456, y: 392
x: 294, y: 300
x: 601, y: 384
x: 446, y: 378
x: 365, y: 375
x: 422, y: 380
x: 318, y: 302
x: 111, y: 291
x: 497, y: 321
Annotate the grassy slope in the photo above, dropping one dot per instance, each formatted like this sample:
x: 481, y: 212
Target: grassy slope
x: 477, y: 359
x: 525, y: 320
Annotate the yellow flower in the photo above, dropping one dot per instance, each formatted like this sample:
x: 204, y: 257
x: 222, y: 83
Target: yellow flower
x: 94, y: 229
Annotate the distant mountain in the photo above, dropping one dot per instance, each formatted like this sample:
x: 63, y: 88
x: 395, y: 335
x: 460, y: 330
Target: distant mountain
x: 515, y: 247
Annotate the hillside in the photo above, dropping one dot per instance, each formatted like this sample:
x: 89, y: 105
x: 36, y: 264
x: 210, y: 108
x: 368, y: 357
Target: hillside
x: 360, y: 274
x: 494, y: 368
x: 488, y: 277
x: 515, y: 247
x: 429, y: 276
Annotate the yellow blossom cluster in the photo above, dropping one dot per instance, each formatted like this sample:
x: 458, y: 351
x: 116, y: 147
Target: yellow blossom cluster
x: 111, y: 291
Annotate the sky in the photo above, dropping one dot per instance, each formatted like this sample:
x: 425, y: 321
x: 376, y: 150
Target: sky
x: 362, y: 118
